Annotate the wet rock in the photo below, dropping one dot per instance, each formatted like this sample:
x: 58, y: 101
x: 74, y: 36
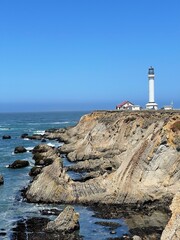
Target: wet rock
x: 42, y: 148
x: 44, y: 162
x: 2, y: 234
x: 43, y: 140
x: 67, y: 221
x: 32, y: 137
x: 19, y: 164
x: 6, y: 137
x: 36, y: 137
x: 24, y: 135
x: 1, y: 179
x: 20, y: 149
x: 35, y: 171
x: 44, y: 155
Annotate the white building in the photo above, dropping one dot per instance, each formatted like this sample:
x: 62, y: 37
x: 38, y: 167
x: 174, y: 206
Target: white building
x: 151, y: 104
x: 126, y: 105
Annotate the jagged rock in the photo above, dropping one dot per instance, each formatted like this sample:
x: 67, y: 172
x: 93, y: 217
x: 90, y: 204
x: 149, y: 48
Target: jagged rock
x: 1, y: 179
x: 50, y: 184
x: 44, y: 155
x: 6, y: 137
x: 67, y: 221
x: 36, y: 137
x: 20, y: 149
x: 19, y: 164
x: 172, y: 230
x: 147, y: 171
x: 33, y: 137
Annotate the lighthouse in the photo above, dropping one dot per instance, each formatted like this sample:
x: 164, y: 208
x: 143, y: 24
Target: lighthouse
x: 151, y: 104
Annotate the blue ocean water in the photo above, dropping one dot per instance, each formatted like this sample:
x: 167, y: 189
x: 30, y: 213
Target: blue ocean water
x: 12, y: 206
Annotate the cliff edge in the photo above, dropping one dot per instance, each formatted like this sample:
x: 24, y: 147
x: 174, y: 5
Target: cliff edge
x: 140, y: 152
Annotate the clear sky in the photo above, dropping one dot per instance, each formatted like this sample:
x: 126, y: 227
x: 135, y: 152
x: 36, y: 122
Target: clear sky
x: 87, y: 54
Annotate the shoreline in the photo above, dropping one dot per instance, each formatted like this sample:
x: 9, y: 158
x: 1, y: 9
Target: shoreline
x: 77, y: 133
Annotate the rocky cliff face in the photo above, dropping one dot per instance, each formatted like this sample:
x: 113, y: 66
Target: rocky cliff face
x: 134, y: 158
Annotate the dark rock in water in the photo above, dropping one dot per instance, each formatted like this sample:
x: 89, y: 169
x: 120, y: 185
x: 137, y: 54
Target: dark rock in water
x: 42, y: 148
x: 20, y: 149
x: 19, y: 164
x: 6, y: 137
x: 2, y: 234
x: 44, y: 162
x: 35, y: 171
x: 1, y: 179
x: 33, y: 229
x: 43, y: 140
x: 33, y: 137
x: 67, y: 221
x: 24, y: 135
x: 36, y: 137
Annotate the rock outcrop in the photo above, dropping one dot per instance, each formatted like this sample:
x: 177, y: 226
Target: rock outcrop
x: 20, y: 149
x: 6, y: 137
x: 44, y: 155
x: 67, y: 221
x: 142, y: 145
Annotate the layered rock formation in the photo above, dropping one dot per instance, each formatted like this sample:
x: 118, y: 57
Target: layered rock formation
x: 142, y: 152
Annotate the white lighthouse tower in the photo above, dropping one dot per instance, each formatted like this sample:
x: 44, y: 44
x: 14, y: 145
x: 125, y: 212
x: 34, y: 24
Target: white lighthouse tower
x: 151, y: 104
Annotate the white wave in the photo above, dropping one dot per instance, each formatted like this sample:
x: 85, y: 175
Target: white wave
x: 60, y: 122
x: 26, y: 139
x: 51, y: 145
x: 40, y: 132
x: 29, y: 148
x: 4, y: 129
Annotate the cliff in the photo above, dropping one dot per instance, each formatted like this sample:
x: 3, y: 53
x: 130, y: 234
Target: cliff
x: 133, y: 157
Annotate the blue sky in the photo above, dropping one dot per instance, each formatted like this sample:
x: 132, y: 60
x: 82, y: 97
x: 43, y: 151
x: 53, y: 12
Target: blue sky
x: 87, y: 54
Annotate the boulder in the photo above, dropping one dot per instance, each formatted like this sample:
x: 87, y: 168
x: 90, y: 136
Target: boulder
x: 1, y: 179
x: 6, y: 137
x: 19, y: 164
x: 20, y: 149
x: 67, y: 221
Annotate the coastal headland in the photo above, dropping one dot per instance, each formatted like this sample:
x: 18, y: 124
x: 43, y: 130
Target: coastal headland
x: 128, y: 158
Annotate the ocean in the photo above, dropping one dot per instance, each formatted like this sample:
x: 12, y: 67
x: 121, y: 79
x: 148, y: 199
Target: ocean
x: 12, y: 205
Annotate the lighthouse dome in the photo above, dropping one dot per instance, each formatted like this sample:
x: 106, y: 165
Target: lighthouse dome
x: 151, y: 71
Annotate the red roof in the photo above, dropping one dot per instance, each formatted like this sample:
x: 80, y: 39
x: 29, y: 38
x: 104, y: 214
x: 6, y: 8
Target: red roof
x: 123, y: 103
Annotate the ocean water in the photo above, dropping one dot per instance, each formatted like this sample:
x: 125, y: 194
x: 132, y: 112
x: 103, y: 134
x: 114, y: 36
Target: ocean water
x: 12, y: 205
